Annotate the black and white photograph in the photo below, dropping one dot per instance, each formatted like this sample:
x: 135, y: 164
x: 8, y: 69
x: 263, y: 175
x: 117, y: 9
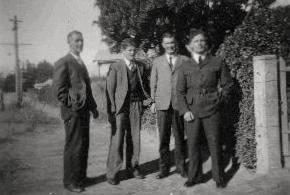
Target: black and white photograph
x: 145, y: 97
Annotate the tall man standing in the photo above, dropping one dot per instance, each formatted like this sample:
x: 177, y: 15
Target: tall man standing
x: 203, y: 82
x: 125, y: 94
x: 163, y: 92
x: 73, y: 91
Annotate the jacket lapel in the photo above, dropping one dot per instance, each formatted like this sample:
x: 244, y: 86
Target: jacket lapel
x: 165, y: 62
x: 177, y: 63
x: 124, y: 73
x: 205, y: 61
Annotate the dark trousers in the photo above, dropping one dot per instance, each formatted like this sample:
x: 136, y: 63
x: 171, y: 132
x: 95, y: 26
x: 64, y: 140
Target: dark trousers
x: 166, y: 118
x: 127, y: 124
x: 211, y: 126
x: 76, y: 148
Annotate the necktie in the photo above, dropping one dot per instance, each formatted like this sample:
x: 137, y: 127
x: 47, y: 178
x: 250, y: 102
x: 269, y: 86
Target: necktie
x: 199, y: 60
x: 80, y: 61
x: 132, y: 66
x: 170, y: 62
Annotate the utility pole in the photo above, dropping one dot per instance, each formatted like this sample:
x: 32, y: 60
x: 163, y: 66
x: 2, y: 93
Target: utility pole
x: 18, y: 83
x: 18, y: 73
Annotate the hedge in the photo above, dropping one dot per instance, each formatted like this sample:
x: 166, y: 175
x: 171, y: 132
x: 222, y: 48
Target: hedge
x: 266, y: 31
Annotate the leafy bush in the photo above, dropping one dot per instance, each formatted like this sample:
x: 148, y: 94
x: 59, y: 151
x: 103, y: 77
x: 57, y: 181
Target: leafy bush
x: 266, y: 31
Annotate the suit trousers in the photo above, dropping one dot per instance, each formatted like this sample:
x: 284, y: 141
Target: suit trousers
x: 76, y: 148
x: 166, y: 119
x: 125, y: 125
x: 211, y: 127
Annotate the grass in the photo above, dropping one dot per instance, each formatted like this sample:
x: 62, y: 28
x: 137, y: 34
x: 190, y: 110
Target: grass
x: 14, y: 120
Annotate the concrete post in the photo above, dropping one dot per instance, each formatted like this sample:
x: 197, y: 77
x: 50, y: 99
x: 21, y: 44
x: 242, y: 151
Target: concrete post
x: 267, y: 113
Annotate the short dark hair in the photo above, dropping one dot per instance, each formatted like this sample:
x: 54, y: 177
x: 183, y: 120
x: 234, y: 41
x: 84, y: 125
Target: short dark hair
x: 72, y: 33
x: 194, y: 32
x: 167, y: 35
x: 128, y: 42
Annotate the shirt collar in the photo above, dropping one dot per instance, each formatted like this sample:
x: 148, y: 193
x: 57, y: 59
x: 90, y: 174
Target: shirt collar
x: 173, y: 57
x: 130, y: 64
x: 196, y: 56
x: 75, y: 56
x: 127, y: 62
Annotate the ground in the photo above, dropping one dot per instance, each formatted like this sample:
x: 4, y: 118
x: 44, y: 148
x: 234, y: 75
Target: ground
x: 31, y: 164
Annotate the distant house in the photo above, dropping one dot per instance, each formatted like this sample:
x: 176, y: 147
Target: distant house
x: 103, y: 66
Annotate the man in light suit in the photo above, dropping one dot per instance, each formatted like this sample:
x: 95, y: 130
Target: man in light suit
x: 125, y: 89
x: 163, y: 92
x: 73, y: 90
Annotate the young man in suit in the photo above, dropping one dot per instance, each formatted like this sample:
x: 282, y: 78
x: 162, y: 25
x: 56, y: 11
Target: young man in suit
x: 163, y: 92
x: 73, y: 90
x: 203, y: 82
x: 125, y: 95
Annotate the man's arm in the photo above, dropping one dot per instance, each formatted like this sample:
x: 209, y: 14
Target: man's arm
x: 181, y: 92
x: 111, y: 84
x: 90, y: 98
x: 153, y: 80
x: 61, y: 82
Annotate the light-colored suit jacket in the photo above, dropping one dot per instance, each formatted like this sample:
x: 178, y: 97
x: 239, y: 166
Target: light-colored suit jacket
x: 163, y: 82
x: 117, y: 85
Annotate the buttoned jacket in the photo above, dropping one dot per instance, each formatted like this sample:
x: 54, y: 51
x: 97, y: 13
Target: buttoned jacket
x: 163, y: 82
x: 201, y: 87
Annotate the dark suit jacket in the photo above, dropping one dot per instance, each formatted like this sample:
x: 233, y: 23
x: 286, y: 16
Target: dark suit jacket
x: 163, y: 82
x: 201, y: 87
x: 72, y: 87
x: 117, y: 85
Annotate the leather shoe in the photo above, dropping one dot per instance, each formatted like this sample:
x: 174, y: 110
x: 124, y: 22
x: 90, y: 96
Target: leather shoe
x: 138, y: 175
x: 162, y: 175
x: 189, y: 183
x: 113, y: 181
x: 220, y: 184
x: 74, y: 188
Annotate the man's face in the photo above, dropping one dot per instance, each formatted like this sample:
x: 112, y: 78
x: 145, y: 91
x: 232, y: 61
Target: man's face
x: 198, y: 44
x: 169, y: 44
x: 76, y: 43
x: 129, y: 52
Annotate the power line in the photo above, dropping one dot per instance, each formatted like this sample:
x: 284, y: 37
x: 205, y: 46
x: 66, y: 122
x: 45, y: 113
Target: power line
x: 18, y: 80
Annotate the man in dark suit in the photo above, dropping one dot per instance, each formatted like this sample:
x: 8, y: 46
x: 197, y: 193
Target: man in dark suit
x: 73, y: 90
x: 163, y: 92
x: 203, y: 82
x: 125, y: 94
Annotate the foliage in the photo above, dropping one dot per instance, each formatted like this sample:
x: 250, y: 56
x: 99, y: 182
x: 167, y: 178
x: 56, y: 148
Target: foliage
x: 146, y: 20
x: 9, y: 83
x: 266, y: 31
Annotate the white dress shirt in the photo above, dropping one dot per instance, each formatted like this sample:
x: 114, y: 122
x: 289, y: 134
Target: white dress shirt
x: 129, y: 63
x: 173, y: 59
x: 196, y: 57
x: 78, y: 58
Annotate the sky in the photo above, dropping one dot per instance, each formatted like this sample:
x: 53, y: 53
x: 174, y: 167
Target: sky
x: 45, y: 24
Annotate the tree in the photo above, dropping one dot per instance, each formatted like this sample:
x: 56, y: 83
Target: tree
x: 44, y: 71
x: 9, y: 83
x: 146, y: 20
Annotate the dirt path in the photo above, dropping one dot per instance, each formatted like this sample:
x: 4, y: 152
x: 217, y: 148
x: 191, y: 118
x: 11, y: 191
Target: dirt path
x: 39, y: 155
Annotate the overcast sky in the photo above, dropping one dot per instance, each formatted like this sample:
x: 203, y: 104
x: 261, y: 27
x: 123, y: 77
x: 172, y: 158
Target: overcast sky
x: 45, y: 25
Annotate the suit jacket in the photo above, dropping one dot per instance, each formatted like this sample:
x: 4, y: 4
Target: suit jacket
x: 163, y: 82
x: 201, y: 87
x: 72, y: 86
x: 117, y: 85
